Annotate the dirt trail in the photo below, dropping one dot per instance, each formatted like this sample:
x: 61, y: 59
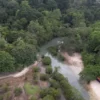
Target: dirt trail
x: 19, y: 74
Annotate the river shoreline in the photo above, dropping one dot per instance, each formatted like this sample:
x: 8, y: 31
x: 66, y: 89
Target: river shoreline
x: 76, y: 64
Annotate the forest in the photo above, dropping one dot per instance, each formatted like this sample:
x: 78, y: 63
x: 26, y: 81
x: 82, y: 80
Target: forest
x: 26, y: 25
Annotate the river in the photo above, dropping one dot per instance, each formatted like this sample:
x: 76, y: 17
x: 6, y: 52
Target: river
x: 65, y: 69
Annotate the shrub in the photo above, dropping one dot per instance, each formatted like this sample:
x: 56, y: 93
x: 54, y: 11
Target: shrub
x: 17, y: 91
x: 54, y: 92
x: 57, y: 76
x: 49, y: 70
x: 53, y: 50
x: 48, y: 97
x: 54, y: 84
x: 31, y: 89
x: 50, y: 91
x: 46, y: 61
x: 44, y: 77
x: 36, y: 69
x: 43, y: 93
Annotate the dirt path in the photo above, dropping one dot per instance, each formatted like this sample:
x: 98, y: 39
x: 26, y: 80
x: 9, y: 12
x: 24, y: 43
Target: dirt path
x: 19, y: 74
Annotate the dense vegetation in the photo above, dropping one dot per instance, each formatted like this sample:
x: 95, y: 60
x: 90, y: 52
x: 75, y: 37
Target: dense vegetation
x: 58, y: 85
x: 25, y: 25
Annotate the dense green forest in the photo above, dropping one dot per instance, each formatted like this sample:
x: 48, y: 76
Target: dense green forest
x: 25, y: 25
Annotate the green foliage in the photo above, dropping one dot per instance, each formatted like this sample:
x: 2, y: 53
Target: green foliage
x: 18, y: 91
x: 91, y: 72
x: 44, y: 77
x: 31, y: 90
x: 6, y: 62
x: 53, y: 50
x: 36, y: 69
x: 49, y: 70
x: 25, y: 25
x: 54, y: 84
x: 46, y: 61
x: 55, y: 93
x: 48, y: 97
x: 65, y: 86
x: 24, y: 54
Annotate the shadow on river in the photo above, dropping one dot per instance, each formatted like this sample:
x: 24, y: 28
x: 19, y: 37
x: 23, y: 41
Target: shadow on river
x: 65, y: 69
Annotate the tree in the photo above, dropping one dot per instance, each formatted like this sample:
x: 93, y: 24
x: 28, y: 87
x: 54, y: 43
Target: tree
x: 24, y: 54
x: 12, y: 6
x: 91, y: 72
x: 44, y: 77
x: 63, y: 4
x: 3, y: 44
x: 51, y: 4
x: 46, y: 61
x: 49, y: 70
x: 25, y: 11
x: 3, y: 15
x: 6, y: 62
x: 54, y: 84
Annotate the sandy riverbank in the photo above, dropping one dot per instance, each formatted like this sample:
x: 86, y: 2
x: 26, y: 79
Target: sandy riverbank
x: 76, y: 64
x: 74, y: 61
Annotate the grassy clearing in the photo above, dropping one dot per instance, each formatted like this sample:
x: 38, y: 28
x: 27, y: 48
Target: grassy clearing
x: 31, y: 90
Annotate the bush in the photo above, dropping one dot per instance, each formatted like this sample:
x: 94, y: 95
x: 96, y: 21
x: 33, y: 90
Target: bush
x: 44, y: 77
x: 17, y: 91
x: 53, y: 50
x: 43, y: 93
x: 55, y: 93
x: 46, y: 61
x: 54, y: 84
x: 49, y: 70
x: 48, y: 97
x: 57, y: 76
x: 36, y: 69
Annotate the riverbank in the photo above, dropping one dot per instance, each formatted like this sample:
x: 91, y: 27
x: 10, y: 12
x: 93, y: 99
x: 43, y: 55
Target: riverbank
x: 76, y: 64
x: 95, y: 87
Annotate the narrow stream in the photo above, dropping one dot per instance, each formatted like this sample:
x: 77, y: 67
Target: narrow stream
x: 65, y: 69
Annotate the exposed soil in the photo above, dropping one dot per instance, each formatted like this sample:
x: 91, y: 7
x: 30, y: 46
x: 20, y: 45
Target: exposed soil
x: 18, y: 80
x: 74, y: 61
x: 95, y: 87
